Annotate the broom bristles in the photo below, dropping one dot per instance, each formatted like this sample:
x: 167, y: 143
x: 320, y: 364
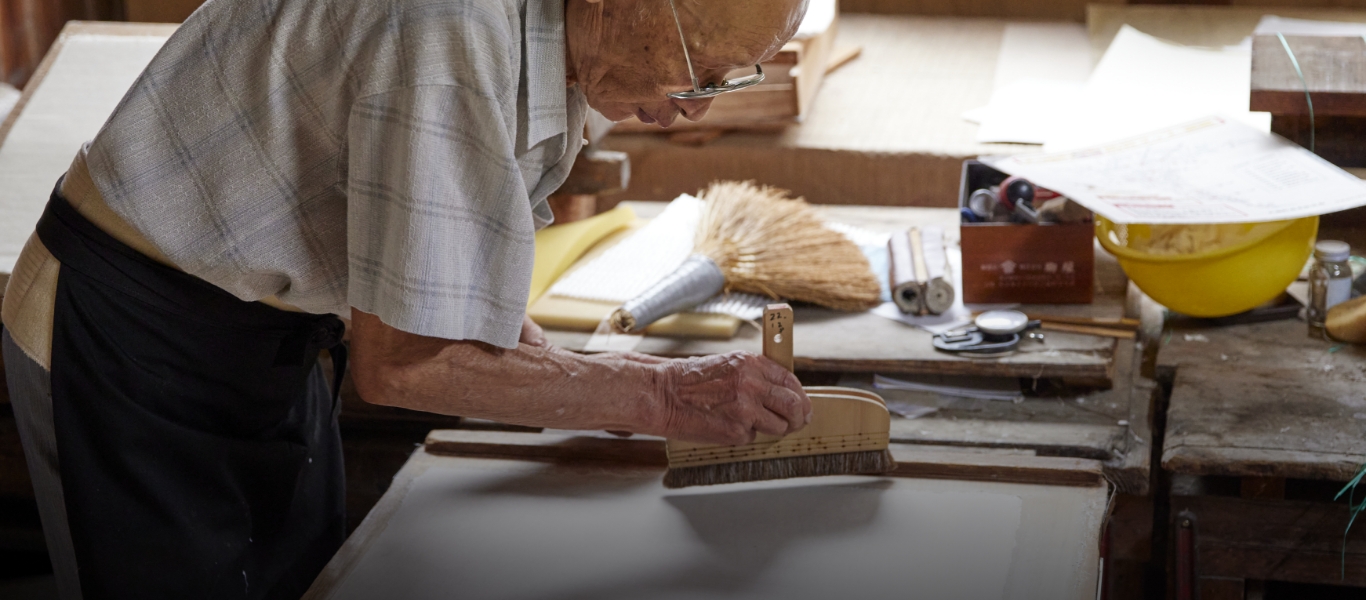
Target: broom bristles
x: 768, y: 244
x: 867, y: 462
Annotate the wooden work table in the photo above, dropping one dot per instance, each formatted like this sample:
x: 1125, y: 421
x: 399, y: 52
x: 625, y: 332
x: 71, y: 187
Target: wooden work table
x: 1264, y: 426
x: 1084, y: 395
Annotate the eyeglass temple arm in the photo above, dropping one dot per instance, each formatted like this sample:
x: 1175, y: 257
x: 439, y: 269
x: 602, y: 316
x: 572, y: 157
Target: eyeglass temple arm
x: 686, y: 56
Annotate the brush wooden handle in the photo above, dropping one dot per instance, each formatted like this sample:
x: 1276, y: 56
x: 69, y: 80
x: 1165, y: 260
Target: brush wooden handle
x: 778, y: 334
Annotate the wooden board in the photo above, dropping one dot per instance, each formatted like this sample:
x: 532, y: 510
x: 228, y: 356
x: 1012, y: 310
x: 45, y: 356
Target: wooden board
x: 1052, y: 552
x: 842, y: 342
x: 590, y: 533
x: 1264, y: 400
x: 63, y: 106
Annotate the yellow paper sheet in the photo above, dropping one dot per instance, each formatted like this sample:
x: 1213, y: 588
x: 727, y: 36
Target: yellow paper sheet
x: 559, y: 246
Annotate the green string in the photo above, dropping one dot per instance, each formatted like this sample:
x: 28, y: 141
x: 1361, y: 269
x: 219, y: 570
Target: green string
x: 1352, y: 507
x: 1307, y: 98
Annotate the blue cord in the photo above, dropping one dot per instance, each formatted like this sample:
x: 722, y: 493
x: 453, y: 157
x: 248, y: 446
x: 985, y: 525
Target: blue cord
x: 1307, y: 98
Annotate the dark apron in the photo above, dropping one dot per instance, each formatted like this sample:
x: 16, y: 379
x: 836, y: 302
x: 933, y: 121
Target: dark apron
x: 199, y: 450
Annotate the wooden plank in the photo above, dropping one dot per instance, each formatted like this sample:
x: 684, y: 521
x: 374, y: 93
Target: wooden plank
x: 1264, y: 400
x: 1278, y: 540
x: 647, y: 451
x: 1041, y: 470
x: 1334, y: 72
x: 1078, y: 440
x: 77, y: 28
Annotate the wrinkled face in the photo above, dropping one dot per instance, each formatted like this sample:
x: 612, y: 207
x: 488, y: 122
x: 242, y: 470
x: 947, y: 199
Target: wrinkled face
x: 626, y: 54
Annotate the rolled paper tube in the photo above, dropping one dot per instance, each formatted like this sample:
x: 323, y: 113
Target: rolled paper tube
x: 939, y: 296
x: 697, y: 280
x: 939, y: 293
x: 907, y: 292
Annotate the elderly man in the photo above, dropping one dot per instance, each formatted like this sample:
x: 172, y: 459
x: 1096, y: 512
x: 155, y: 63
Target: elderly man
x: 283, y: 163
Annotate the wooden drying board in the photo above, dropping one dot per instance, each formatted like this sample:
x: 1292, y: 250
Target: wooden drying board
x: 863, y: 342
x: 597, y: 469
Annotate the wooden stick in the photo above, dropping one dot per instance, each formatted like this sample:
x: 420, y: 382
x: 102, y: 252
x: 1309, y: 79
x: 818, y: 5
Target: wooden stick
x: 1124, y: 334
x: 1131, y: 324
x: 841, y: 56
x: 778, y: 334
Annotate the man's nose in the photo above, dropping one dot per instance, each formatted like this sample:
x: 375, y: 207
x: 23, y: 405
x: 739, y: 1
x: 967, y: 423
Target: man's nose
x: 693, y: 110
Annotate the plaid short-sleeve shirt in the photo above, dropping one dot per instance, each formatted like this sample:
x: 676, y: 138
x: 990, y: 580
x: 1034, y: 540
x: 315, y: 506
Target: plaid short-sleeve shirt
x: 391, y: 155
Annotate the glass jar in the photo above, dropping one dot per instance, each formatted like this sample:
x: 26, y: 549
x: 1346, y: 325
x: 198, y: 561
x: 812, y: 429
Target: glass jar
x: 1330, y: 283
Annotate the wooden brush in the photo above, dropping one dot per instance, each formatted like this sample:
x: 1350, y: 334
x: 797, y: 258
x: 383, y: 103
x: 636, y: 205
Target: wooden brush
x: 847, y: 435
x: 757, y: 240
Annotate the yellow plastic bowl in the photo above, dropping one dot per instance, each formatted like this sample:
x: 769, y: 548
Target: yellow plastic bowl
x: 1226, y: 280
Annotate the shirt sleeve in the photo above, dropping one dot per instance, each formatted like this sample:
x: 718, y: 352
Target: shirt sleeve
x: 440, y: 235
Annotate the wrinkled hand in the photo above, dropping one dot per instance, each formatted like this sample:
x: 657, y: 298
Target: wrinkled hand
x: 532, y: 334
x: 728, y: 398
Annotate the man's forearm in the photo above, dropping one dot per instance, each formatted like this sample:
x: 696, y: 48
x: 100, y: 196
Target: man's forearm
x: 528, y: 385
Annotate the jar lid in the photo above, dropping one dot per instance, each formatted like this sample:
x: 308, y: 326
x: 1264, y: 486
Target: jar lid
x: 1332, y: 251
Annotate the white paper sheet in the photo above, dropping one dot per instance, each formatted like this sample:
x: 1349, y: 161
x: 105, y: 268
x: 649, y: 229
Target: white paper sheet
x: 1214, y: 170
x: 1144, y: 84
x: 1028, y: 111
x: 1041, y: 71
x: 87, y: 80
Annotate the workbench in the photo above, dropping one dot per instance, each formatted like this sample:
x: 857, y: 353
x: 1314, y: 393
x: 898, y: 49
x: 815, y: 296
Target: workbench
x: 1264, y: 427
x: 583, y: 515
x: 1088, y: 399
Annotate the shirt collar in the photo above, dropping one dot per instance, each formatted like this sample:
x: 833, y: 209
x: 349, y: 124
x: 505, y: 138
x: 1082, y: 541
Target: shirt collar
x: 544, y: 54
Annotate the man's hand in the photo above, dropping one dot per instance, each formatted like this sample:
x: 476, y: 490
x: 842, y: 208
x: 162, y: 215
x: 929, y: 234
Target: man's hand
x: 728, y: 398
x: 532, y: 334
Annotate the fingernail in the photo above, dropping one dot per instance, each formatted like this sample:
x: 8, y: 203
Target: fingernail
x: 808, y: 418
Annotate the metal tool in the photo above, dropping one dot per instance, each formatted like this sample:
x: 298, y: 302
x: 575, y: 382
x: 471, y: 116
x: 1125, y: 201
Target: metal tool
x: 992, y: 333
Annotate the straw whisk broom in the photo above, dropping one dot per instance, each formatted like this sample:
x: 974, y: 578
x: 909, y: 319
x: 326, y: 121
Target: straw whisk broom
x: 757, y: 240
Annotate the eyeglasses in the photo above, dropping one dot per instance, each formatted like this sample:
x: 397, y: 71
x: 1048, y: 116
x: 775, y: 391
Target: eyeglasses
x: 713, y: 89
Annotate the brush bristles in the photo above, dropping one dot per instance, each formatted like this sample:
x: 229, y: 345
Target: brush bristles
x: 868, y: 462
x: 768, y: 244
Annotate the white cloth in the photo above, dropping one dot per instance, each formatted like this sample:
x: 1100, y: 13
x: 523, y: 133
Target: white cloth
x: 392, y: 155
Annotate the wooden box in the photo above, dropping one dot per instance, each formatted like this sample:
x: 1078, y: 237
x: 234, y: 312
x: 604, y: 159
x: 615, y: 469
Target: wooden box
x: 791, y: 79
x: 1050, y: 263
